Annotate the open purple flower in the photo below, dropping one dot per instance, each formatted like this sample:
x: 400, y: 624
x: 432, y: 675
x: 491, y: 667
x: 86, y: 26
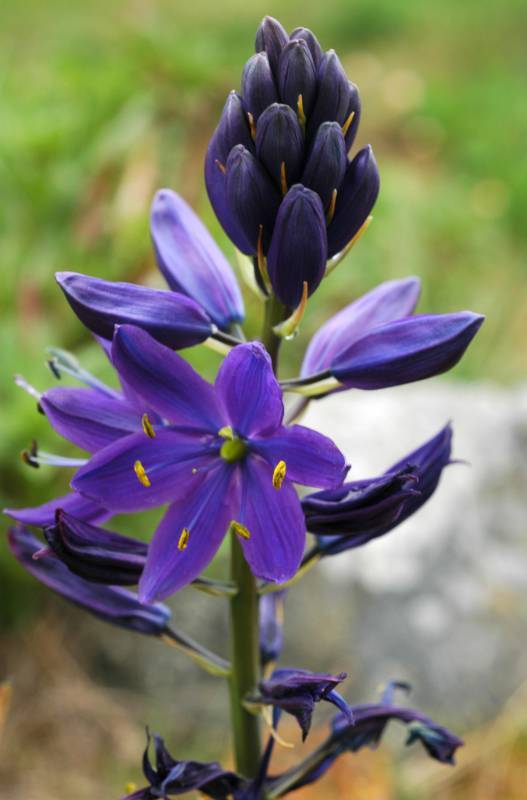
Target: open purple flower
x: 375, y: 342
x: 224, y: 461
x: 360, y: 511
x: 171, y: 777
x: 296, y: 691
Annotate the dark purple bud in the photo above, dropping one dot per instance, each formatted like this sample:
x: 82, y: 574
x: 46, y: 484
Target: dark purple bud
x: 407, y: 350
x: 280, y: 144
x: 233, y: 129
x: 297, y: 76
x: 312, y: 42
x: 271, y: 616
x: 252, y: 196
x: 296, y: 691
x: 335, y: 97
x: 110, y: 603
x: 171, y: 318
x: 96, y: 554
x: 272, y: 38
x: 258, y: 85
x: 326, y: 163
x: 351, y: 125
x: 298, y: 250
x: 191, y: 261
x: 355, y: 200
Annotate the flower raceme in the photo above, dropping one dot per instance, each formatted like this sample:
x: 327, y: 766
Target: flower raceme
x: 277, y: 171
x: 223, y: 460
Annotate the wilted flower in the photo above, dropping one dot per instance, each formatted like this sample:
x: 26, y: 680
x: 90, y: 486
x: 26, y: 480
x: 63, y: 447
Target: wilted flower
x: 276, y: 169
x: 296, y: 691
x: 224, y: 461
x: 375, y: 342
x: 171, y: 777
x: 360, y: 511
x: 271, y: 618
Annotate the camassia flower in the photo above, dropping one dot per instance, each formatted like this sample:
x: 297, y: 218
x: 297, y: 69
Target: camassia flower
x: 224, y: 461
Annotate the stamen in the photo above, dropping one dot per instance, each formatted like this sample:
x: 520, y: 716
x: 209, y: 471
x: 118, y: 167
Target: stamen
x: 301, y: 114
x: 331, y: 210
x: 142, y: 477
x: 148, y: 428
x: 130, y: 787
x: 252, y: 125
x: 183, y: 539
x: 346, y: 126
x: 226, y: 432
x: 279, y: 474
x: 283, y: 179
x: 267, y: 714
x: 220, y: 166
x: 52, y: 365
x: 240, y: 530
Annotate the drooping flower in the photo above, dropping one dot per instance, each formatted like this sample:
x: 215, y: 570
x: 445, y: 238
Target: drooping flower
x: 271, y: 619
x: 276, y: 170
x: 375, y: 342
x: 224, y: 461
x: 110, y: 603
x: 360, y: 511
x: 296, y: 691
x: 171, y: 777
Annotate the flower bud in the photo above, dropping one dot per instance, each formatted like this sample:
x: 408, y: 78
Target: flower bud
x: 327, y: 162
x: 335, y: 98
x: 298, y: 250
x: 258, y: 86
x: 252, y: 197
x: 280, y: 144
x: 312, y: 42
x: 297, y: 76
x: 272, y: 38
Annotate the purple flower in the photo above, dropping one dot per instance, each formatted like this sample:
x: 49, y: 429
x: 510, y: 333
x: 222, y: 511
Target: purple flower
x: 171, y: 777
x: 375, y: 342
x: 72, y: 503
x: 360, y: 511
x: 283, y: 142
x: 271, y: 615
x: 296, y: 691
x: 109, y: 603
x: 223, y: 461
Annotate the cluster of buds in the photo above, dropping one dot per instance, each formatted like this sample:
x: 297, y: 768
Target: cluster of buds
x: 277, y: 169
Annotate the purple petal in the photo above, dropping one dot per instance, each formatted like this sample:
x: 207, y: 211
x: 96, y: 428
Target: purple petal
x: 310, y: 457
x: 297, y: 75
x: 407, y: 350
x: 110, y: 603
x: 171, y: 318
x: 280, y: 143
x: 390, y: 301
x: 327, y: 162
x: 74, y: 503
x: 165, y: 380
x: 249, y: 391
x: 272, y: 38
x: 205, y: 511
x: 89, y: 418
x: 275, y: 521
x: 258, y: 85
x: 191, y: 261
x: 169, y: 460
x: 311, y: 41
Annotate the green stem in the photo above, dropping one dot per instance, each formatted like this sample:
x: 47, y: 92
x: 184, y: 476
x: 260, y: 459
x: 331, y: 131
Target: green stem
x: 245, y: 661
x: 275, y: 313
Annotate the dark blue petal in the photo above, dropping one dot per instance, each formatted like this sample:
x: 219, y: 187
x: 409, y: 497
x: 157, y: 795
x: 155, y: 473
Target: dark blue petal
x: 298, y: 249
x: 272, y: 38
x: 170, y: 318
x: 327, y: 162
x: 233, y: 129
x: 258, y: 85
x: 191, y: 261
x: 252, y: 196
x: 297, y: 76
x: 311, y: 41
x: 355, y: 200
x: 279, y: 141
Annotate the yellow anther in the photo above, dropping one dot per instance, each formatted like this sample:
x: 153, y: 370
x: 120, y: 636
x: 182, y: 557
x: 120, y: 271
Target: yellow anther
x: 283, y: 179
x: 220, y: 166
x: 142, y: 477
x: 130, y: 787
x: 252, y: 125
x: 240, y: 530
x: 331, y: 210
x: 301, y: 114
x: 183, y: 539
x: 346, y: 126
x: 148, y: 428
x: 226, y: 432
x: 279, y: 474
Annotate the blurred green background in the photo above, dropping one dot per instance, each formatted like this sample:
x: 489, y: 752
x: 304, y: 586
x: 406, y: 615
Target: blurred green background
x: 104, y: 102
